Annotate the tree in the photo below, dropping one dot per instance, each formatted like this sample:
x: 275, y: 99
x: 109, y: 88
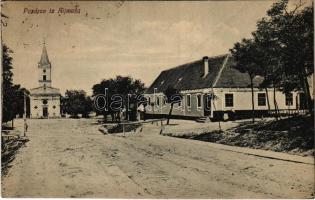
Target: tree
x: 281, y: 49
x: 172, y: 96
x: 18, y: 103
x: 121, y: 93
x: 88, y: 106
x: 62, y: 105
x: 245, y: 55
x: 12, y: 95
x: 287, y: 37
x: 7, y: 85
x: 76, y: 102
x: 267, y: 61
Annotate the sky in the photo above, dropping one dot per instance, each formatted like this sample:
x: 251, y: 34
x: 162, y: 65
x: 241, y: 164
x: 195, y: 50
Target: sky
x: 106, y: 39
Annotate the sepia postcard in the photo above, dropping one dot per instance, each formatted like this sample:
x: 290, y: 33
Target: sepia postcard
x: 157, y: 99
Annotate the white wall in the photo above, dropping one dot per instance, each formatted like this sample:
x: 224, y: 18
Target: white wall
x: 183, y: 109
x: 47, y: 72
x: 36, y: 112
x: 243, y: 99
x: 54, y: 112
x: 51, y: 102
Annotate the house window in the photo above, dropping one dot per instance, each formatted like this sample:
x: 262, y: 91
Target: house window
x: 188, y: 99
x: 164, y: 100
x: 158, y: 101
x: 289, y: 99
x: 149, y: 100
x: 199, y: 100
x: 44, y: 77
x: 261, y: 99
x: 229, y: 102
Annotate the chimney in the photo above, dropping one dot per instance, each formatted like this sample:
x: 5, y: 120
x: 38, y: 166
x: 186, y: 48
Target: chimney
x: 205, y: 66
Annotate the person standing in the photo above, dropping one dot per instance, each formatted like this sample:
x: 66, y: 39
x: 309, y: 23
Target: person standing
x: 25, y: 126
x: 140, y: 113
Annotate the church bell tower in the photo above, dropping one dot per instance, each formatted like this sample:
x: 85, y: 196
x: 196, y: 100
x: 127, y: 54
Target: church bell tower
x: 44, y: 100
x: 44, y: 67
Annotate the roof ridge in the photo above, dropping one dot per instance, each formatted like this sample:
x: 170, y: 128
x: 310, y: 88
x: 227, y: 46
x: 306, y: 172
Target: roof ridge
x: 189, y: 63
x: 52, y: 87
x: 178, y: 66
x: 220, y: 55
x: 43, y: 87
x: 35, y: 88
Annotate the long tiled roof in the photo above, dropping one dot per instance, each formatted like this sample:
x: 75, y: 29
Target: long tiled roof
x: 190, y: 76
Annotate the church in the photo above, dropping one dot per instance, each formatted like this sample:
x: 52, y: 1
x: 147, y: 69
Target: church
x: 45, y: 99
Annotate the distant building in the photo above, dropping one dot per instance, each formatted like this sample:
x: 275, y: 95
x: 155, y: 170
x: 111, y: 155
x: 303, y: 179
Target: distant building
x: 44, y: 100
x: 215, y: 77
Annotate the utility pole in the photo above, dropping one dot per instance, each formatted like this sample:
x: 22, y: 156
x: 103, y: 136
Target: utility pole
x: 2, y: 24
x: 24, y: 116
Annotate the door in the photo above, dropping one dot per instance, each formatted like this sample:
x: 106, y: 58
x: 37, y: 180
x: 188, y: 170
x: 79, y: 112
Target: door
x: 302, y: 101
x: 45, y: 112
x: 207, y: 104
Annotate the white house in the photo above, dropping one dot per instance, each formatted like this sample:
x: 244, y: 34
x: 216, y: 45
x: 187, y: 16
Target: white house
x: 203, y: 79
x: 44, y: 100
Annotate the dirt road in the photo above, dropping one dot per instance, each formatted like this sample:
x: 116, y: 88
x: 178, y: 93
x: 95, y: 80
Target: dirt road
x: 71, y: 158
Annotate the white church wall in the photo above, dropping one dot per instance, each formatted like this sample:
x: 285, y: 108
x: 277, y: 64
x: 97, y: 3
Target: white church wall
x: 36, y: 107
x: 54, y: 108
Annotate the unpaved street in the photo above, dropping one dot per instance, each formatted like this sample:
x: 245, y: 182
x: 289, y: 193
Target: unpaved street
x: 71, y: 158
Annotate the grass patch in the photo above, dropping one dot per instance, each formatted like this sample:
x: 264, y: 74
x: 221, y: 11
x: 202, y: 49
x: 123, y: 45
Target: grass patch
x: 9, y: 148
x: 294, y: 135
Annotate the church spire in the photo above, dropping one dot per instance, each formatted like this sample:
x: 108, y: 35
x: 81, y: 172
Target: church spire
x: 44, y: 58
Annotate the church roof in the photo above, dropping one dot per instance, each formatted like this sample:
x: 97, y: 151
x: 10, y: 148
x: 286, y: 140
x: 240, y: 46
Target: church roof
x: 45, y: 91
x: 44, y: 57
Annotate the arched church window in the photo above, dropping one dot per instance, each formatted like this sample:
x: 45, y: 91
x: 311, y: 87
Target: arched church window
x: 44, y: 70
